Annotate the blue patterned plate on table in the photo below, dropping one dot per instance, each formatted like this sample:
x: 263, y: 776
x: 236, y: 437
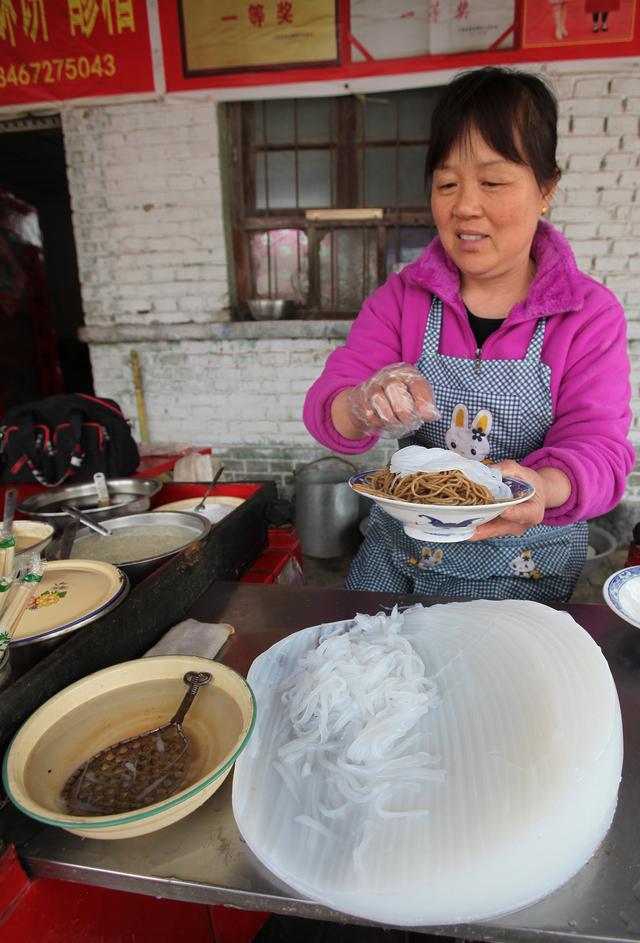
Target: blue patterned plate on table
x: 622, y: 594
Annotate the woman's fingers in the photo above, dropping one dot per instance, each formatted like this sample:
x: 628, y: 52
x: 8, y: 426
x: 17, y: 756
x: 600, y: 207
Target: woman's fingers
x: 380, y: 408
x: 401, y: 401
x: 499, y: 528
x: 516, y: 520
x: 422, y: 395
x: 397, y: 400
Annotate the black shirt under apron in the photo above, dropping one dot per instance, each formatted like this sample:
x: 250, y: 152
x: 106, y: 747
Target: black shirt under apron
x: 483, y: 327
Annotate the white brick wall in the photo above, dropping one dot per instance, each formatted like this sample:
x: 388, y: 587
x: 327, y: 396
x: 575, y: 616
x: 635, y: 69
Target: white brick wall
x: 597, y: 205
x: 147, y: 204
x: 147, y: 209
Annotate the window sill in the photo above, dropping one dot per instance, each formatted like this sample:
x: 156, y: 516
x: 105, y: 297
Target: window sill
x: 213, y: 331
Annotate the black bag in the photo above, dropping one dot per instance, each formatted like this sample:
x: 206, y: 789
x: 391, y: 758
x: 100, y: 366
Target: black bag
x: 66, y: 439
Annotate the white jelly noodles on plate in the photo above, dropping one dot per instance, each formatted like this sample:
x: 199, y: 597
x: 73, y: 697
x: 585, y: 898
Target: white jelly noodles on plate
x: 431, y: 767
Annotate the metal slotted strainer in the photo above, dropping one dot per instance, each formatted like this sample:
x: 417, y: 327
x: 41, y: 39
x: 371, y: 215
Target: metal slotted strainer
x: 138, y: 771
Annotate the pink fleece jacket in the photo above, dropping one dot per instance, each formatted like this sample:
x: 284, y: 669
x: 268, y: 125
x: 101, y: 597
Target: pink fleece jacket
x: 585, y: 346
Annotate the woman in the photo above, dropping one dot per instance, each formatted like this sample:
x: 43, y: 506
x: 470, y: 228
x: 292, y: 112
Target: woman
x: 521, y: 358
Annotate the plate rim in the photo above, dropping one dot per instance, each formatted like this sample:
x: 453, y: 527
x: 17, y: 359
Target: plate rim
x: 122, y: 588
x: 634, y: 572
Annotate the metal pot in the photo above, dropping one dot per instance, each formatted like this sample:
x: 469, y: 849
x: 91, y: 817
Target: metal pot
x: 327, y: 509
x: 603, y: 544
x: 128, y: 496
x: 195, y: 527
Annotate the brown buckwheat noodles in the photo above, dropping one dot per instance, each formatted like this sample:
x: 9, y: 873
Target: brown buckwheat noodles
x: 442, y: 487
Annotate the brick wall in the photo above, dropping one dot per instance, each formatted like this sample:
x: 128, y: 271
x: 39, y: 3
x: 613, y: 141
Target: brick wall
x: 147, y: 210
x: 145, y: 182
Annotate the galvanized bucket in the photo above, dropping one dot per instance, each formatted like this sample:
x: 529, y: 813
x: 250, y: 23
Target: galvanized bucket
x: 327, y: 509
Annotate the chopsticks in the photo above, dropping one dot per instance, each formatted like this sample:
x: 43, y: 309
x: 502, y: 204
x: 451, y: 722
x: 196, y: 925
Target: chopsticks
x: 18, y: 596
x: 7, y: 540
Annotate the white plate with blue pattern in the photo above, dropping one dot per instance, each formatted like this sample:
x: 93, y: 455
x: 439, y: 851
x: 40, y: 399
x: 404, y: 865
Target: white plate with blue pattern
x: 444, y: 523
x: 622, y: 594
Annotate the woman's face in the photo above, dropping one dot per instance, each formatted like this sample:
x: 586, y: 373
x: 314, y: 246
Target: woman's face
x: 486, y: 209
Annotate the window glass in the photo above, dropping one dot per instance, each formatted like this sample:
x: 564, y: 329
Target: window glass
x: 314, y: 120
x: 380, y: 176
x: 280, y: 178
x: 348, y: 268
x: 278, y: 115
x: 314, y: 178
x: 411, y: 176
x: 415, y: 110
x: 380, y: 118
x: 280, y: 264
x: 405, y: 244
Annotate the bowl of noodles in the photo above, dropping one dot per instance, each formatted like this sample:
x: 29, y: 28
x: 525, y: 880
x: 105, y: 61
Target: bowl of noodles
x: 438, y: 495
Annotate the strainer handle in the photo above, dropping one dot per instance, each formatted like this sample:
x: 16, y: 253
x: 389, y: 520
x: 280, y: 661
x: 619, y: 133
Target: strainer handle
x: 195, y: 680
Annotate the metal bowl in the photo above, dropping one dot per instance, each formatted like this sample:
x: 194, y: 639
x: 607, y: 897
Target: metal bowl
x: 31, y: 536
x: 270, y: 309
x: 128, y: 496
x: 195, y: 527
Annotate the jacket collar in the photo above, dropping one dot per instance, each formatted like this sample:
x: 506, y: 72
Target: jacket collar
x: 556, y: 288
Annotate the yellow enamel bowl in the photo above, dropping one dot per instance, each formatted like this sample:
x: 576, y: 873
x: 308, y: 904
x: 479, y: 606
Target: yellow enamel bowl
x: 120, y: 702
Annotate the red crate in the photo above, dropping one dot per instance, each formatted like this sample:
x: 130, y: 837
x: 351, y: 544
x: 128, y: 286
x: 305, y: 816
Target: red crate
x: 288, y: 538
x: 251, y: 577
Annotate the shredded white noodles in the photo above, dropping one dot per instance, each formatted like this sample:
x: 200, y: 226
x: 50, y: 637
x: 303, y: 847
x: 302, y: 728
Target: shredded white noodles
x: 352, y: 705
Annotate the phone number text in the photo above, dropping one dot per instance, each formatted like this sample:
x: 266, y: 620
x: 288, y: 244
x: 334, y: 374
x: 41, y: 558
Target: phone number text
x: 49, y: 71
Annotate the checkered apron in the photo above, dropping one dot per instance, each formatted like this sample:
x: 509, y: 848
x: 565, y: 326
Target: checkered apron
x: 544, y: 562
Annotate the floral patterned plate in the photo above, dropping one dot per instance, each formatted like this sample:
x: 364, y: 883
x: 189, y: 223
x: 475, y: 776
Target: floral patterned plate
x: 70, y: 594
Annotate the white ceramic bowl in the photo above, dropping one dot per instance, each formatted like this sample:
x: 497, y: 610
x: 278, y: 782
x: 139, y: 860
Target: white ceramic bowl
x: 622, y: 594
x: 120, y: 702
x: 443, y: 523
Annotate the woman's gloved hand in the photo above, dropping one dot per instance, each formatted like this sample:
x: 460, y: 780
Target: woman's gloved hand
x: 394, y: 401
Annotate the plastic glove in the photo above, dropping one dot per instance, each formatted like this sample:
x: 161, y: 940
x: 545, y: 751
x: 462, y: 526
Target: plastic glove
x: 394, y: 401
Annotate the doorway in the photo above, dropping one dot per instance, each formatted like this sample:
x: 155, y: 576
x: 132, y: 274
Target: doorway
x: 33, y: 169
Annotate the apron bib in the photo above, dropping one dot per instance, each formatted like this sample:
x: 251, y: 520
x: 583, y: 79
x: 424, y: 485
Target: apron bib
x: 490, y: 409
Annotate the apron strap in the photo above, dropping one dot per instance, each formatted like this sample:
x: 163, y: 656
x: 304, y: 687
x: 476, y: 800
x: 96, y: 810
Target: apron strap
x: 431, y: 340
x: 534, y: 350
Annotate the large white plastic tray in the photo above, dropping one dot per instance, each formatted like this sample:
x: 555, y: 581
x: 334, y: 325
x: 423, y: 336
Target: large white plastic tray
x: 529, y: 734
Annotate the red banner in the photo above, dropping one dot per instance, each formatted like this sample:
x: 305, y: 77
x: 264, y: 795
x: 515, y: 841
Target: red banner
x: 244, y: 44
x: 53, y: 50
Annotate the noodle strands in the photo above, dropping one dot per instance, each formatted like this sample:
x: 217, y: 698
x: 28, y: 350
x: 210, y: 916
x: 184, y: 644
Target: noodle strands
x: 351, y: 739
x: 436, y: 476
x: 443, y: 488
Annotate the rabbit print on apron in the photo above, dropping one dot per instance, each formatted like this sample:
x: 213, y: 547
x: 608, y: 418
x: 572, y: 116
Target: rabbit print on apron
x: 490, y: 410
x: 470, y: 440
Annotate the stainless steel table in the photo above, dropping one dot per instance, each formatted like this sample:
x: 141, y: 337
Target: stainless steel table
x: 203, y: 858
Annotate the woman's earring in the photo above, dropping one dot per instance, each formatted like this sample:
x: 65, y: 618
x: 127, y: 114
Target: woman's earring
x: 543, y: 210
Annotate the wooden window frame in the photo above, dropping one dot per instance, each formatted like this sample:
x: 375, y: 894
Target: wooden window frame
x: 349, y: 145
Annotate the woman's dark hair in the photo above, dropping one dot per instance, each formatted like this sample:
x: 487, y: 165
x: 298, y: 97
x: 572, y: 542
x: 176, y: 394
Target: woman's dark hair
x: 516, y: 113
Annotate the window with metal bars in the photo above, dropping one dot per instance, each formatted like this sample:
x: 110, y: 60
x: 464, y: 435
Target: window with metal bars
x: 327, y: 197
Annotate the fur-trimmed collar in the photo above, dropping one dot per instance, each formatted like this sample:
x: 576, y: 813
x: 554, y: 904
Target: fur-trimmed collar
x: 557, y: 287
